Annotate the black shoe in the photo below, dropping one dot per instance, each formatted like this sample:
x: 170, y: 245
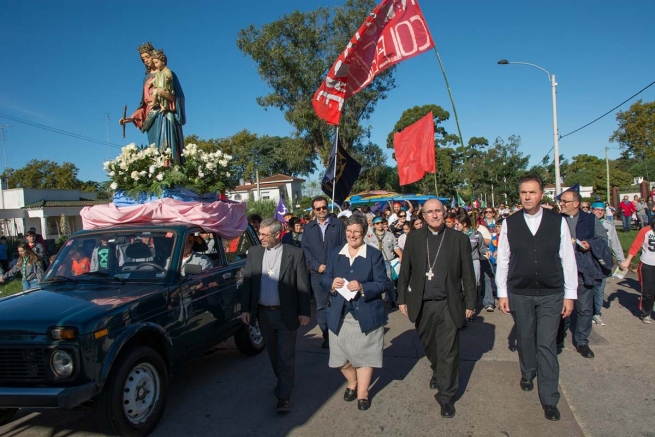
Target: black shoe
x: 560, y: 348
x: 283, y: 405
x: 585, y: 351
x: 527, y: 384
x: 350, y: 395
x: 393, y: 305
x: 433, y: 383
x: 551, y: 412
x: 363, y: 404
x: 448, y: 410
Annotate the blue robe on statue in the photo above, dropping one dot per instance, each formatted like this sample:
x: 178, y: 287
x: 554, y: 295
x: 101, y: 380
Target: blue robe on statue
x: 166, y: 128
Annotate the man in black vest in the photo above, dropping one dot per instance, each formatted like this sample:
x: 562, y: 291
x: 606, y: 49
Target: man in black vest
x: 536, y: 281
x: 586, y: 230
x: 436, y: 290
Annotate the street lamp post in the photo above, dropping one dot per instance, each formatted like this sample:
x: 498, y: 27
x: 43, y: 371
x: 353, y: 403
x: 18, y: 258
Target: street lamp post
x: 553, y: 83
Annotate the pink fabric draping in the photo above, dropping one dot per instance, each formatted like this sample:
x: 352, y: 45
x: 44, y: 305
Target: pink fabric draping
x: 226, y: 218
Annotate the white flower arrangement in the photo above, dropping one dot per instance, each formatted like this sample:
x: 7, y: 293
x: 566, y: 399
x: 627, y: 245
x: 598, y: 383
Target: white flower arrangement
x: 148, y: 170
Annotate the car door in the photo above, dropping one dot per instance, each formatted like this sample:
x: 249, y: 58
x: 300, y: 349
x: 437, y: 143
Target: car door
x: 235, y: 252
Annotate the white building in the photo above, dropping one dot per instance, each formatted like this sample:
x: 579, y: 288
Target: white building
x: 272, y: 188
x: 549, y: 190
x: 23, y: 208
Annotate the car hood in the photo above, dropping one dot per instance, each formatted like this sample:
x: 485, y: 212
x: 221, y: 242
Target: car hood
x: 87, y: 306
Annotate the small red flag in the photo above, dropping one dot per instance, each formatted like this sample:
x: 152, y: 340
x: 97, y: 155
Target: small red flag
x: 393, y: 32
x: 414, y: 148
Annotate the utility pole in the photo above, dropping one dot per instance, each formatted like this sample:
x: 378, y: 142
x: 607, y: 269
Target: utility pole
x: 607, y: 171
x: 107, y: 127
x: 4, y: 148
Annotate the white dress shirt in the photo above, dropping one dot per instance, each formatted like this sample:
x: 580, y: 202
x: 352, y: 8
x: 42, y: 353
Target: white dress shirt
x: 566, y: 254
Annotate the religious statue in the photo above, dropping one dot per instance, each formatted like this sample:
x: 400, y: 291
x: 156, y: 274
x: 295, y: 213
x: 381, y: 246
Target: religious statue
x: 161, y: 111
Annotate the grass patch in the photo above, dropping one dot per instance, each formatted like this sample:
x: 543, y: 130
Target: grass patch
x: 11, y: 287
x: 626, y: 239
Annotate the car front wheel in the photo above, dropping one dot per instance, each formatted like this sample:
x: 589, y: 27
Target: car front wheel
x: 134, y: 397
x: 249, y: 340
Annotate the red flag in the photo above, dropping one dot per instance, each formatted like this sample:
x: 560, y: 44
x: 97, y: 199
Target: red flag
x: 393, y: 32
x: 414, y: 148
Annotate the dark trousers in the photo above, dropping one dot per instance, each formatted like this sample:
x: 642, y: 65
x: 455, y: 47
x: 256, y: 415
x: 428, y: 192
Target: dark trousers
x: 281, y: 347
x: 536, y: 319
x: 321, y: 295
x: 647, y: 281
x: 583, y: 313
x: 626, y: 222
x: 440, y: 339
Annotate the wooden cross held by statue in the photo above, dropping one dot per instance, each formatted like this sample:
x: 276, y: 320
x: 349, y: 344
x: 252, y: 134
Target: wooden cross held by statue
x: 124, y: 117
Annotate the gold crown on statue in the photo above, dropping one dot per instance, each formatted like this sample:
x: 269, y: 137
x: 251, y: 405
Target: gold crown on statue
x: 145, y: 47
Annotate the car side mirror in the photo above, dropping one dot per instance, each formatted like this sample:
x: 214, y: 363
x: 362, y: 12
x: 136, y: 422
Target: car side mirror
x: 192, y: 269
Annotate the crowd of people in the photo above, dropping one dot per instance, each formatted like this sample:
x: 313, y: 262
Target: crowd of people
x: 31, y: 263
x: 543, y: 263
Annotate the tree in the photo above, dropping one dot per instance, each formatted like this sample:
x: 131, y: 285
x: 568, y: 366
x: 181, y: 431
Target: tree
x: 44, y: 175
x: 503, y: 166
x: 636, y: 131
x: 293, y: 55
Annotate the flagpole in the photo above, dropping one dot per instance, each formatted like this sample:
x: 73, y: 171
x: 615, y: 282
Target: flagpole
x: 334, y: 176
x: 452, y: 102
x: 436, y: 190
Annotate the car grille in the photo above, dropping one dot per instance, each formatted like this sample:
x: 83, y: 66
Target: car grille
x: 22, y: 364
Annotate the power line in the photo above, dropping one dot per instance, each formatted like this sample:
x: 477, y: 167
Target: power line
x: 62, y: 132
x: 616, y: 107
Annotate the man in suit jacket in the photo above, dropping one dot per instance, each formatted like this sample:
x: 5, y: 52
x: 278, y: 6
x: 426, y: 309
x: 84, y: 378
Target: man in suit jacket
x: 320, y: 236
x: 437, y: 291
x: 276, y: 292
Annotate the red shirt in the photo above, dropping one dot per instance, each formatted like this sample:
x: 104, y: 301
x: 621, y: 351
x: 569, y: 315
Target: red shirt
x: 627, y: 208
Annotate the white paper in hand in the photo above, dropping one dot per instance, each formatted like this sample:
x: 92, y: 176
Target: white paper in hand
x: 347, y: 294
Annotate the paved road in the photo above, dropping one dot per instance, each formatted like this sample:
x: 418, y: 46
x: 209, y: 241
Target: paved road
x: 224, y: 393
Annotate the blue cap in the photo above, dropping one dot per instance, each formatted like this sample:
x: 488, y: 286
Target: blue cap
x: 600, y: 205
x: 377, y: 219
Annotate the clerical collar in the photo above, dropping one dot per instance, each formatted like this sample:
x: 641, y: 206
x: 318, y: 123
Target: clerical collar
x: 277, y: 246
x: 438, y: 231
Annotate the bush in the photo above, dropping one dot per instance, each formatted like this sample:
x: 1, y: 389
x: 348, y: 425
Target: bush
x: 265, y: 208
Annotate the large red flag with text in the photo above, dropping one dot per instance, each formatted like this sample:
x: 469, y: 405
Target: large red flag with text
x: 393, y: 32
x: 414, y: 148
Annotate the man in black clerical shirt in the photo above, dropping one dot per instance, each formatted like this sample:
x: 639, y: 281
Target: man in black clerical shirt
x: 437, y: 291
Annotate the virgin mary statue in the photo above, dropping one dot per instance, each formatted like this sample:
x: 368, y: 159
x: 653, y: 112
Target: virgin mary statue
x: 162, y: 123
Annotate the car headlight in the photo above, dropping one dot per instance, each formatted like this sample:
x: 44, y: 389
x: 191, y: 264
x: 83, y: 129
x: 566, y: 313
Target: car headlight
x: 61, y: 363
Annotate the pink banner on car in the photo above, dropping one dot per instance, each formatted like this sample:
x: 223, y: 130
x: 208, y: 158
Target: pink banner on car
x: 226, y: 218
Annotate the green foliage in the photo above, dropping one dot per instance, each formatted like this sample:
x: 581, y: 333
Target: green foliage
x: 265, y: 208
x: 44, y: 174
x: 293, y: 55
x: 636, y: 131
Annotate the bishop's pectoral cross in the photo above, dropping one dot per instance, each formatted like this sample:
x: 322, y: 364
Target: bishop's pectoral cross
x: 270, y: 272
x: 429, y: 274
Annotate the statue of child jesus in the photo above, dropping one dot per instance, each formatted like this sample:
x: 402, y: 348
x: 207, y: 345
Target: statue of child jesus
x: 162, y: 85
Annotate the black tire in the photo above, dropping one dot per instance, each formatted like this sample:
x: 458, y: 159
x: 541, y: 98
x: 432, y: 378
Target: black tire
x: 6, y: 414
x: 148, y: 374
x: 249, y: 340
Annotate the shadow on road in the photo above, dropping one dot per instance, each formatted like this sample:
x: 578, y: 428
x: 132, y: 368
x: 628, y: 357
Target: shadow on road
x: 475, y: 340
x: 627, y: 299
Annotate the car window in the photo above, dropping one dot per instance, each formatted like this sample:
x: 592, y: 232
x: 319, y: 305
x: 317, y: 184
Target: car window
x: 236, y: 249
x: 124, y: 255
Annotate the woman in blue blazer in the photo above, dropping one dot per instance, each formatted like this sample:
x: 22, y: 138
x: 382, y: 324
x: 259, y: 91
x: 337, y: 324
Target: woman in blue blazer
x: 356, y: 325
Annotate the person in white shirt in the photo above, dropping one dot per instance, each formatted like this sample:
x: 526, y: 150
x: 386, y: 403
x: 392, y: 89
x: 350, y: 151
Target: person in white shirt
x: 537, y: 281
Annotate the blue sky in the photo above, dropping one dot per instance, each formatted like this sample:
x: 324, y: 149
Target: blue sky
x: 66, y: 64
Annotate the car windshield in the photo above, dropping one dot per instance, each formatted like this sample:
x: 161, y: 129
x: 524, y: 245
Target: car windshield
x: 124, y: 256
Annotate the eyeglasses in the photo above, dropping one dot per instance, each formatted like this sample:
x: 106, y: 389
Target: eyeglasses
x: 584, y: 207
x: 402, y: 216
x: 566, y: 202
x: 488, y: 212
x: 321, y: 208
x: 349, y: 232
x: 265, y: 235
x: 433, y: 211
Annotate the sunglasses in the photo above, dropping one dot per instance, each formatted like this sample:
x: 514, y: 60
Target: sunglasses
x: 321, y: 208
x: 402, y: 216
x: 488, y: 212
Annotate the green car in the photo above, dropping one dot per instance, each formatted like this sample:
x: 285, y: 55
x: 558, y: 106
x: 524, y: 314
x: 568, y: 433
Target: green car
x: 116, y: 312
